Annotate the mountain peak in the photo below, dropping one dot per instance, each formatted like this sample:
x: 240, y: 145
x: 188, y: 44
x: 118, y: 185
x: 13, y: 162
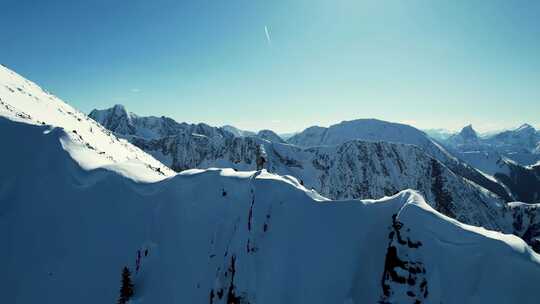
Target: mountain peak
x: 525, y: 127
x: 468, y: 132
x: 119, y: 108
x: 270, y: 136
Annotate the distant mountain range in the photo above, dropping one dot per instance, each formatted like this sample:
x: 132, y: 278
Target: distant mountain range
x: 521, y: 144
x: 511, y: 157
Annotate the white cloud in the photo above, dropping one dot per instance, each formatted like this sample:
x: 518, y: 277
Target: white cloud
x: 135, y: 90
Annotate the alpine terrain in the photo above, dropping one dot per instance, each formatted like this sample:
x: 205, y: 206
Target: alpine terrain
x: 510, y: 157
x: 85, y: 215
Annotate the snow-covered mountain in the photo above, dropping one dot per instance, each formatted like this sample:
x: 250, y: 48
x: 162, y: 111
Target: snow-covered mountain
x: 525, y: 136
x: 270, y: 136
x: 238, y: 132
x: 128, y: 125
x: 69, y: 226
x: 354, y: 169
x: 520, y: 145
x: 467, y: 136
x: 88, y: 142
x: 233, y: 237
x: 342, y: 171
x: 357, y: 169
x: 374, y: 130
x: 362, y: 129
x: 506, y: 156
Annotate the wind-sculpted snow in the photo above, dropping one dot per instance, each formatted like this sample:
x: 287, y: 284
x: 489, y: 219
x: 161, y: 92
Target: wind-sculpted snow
x: 221, y: 236
x: 90, y: 144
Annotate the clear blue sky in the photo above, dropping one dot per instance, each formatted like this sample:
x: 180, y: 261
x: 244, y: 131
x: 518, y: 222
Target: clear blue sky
x: 427, y: 63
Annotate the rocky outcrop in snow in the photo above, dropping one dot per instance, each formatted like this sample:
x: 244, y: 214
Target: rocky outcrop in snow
x: 467, y: 136
x: 374, y: 130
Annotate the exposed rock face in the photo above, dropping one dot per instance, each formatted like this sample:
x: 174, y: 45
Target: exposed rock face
x: 404, y: 275
x: 270, y: 136
x: 373, y: 130
x: 523, y: 182
x: 129, y: 125
x: 467, y: 136
x: 525, y: 219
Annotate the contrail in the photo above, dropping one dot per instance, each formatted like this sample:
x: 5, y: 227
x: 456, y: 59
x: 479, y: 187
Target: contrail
x: 267, y: 34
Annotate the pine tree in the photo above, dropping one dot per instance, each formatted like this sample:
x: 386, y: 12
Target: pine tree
x: 126, y: 291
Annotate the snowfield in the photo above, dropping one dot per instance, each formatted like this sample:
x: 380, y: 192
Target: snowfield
x: 91, y: 145
x: 72, y: 217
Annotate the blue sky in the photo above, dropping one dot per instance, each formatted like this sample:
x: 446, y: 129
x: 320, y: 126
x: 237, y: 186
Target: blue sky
x: 427, y: 63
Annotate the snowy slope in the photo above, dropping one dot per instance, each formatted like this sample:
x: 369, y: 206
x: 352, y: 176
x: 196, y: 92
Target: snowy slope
x: 504, y: 156
x: 87, y: 141
x: 374, y: 130
x: 220, y: 236
x: 362, y: 129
